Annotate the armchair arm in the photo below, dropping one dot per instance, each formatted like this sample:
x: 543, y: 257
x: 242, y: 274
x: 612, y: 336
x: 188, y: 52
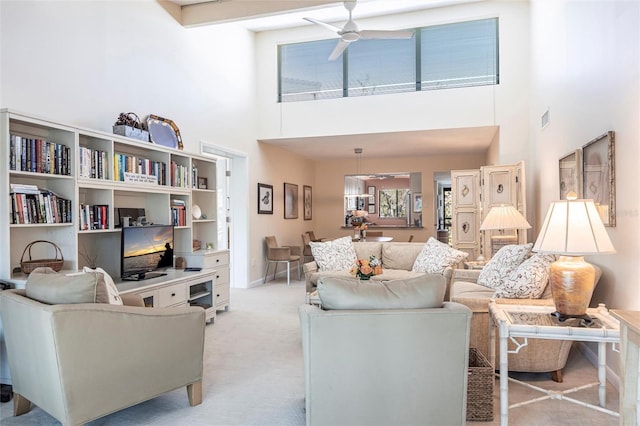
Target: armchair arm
x: 295, y: 250
x: 278, y: 253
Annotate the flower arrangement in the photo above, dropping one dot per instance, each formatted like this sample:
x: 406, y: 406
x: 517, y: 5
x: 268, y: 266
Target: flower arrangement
x: 365, y: 269
x: 361, y: 227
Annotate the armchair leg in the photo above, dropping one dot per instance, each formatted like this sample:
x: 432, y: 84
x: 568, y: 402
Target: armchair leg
x: 194, y: 392
x: 21, y: 405
x: 556, y: 376
x: 266, y: 271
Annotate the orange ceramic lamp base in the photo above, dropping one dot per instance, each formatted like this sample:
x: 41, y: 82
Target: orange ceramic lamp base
x: 572, y: 282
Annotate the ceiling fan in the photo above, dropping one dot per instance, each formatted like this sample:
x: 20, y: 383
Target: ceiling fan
x: 350, y: 32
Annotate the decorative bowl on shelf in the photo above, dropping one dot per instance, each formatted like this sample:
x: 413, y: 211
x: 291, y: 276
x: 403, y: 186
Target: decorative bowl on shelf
x: 196, y: 212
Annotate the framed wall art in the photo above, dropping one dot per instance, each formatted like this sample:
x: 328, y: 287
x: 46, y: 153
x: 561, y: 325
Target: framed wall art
x: 202, y: 183
x: 371, y: 190
x: 417, y: 202
x: 570, y: 176
x: 598, y: 176
x: 290, y: 201
x: 307, y: 202
x: 265, y: 198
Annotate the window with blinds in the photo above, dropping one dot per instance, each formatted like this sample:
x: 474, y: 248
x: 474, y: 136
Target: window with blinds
x: 437, y: 57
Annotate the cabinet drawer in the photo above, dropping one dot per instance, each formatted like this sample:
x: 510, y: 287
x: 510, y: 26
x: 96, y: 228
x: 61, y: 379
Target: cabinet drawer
x: 214, y: 260
x: 172, y: 295
x: 222, y: 276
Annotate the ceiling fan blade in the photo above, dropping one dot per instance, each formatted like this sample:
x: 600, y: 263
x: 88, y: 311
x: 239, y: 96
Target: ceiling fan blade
x: 324, y: 24
x: 337, y: 51
x: 369, y: 34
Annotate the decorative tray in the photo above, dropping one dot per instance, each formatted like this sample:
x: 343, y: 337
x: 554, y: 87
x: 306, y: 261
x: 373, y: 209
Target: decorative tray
x: 164, y: 132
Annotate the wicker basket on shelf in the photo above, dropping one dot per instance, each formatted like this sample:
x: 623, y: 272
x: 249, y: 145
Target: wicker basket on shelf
x: 27, y: 266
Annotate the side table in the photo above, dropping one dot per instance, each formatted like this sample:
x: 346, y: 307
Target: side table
x: 536, y: 322
x: 629, y: 366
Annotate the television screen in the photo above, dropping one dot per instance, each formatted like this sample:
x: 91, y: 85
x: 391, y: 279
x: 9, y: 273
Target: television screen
x: 145, y: 249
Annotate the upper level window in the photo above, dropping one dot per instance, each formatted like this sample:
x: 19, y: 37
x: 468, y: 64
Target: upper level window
x: 436, y: 57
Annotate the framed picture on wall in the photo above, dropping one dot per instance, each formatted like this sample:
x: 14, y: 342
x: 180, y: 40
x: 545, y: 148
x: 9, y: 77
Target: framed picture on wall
x: 371, y: 190
x: 417, y: 202
x: 570, y: 177
x: 598, y: 176
x: 290, y: 201
x: 307, y: 202
x: 265, y: 198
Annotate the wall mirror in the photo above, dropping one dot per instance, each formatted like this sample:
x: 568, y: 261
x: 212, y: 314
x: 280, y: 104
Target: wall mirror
x: 383, y: 199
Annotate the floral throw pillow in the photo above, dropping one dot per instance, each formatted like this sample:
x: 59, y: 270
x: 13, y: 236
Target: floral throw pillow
x: 336, y: 255
x: 505, y: 261
x: 528, y: 280
x: 436, y: 256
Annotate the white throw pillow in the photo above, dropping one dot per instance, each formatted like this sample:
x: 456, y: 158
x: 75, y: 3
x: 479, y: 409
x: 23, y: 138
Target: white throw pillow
x: 528, y: 280
x: 112, y: 290
x: 436, y: 256
x: 335, y: 255
x: 505, y: 261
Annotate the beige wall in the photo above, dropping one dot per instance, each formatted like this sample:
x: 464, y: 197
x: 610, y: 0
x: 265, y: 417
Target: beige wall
x: 329, y: 189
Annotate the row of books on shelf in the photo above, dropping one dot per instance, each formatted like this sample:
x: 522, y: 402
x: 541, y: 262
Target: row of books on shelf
x: 178, y: 213
x: 30, y: 205
x: 93, y: 216
x: 131, y: 164
x: 179, y: 175
x: 93, y: 163
x: 39, y: 156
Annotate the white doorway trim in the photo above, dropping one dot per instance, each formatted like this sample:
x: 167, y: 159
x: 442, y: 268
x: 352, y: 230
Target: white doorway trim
x: 238, y: 211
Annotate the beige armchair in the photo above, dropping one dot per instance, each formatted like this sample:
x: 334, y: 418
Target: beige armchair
x: 282, y: 254
x: 540, y: 355
x: 82, y: 361
x: 385, y: 353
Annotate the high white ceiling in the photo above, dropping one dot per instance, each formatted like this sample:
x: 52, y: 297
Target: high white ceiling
x: 263, y: 15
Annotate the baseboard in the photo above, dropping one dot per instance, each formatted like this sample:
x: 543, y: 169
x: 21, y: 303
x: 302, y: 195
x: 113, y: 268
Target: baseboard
x: 592, y: 357
x: 280, y: 274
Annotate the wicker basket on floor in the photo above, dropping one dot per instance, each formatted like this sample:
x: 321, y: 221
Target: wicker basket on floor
x: 479, y: 387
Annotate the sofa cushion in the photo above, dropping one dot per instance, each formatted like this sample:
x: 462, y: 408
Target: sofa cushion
x: 387, y: 275
x: 47, y: 286
x: 364, y: 250
x: 400, y: 255
x: 426, y: 291
x: 528, y: 280
x: 505, y: 261
x: 472, y: 295
x: 436, y: 256
x: 335, y: 255
x: 112, y: 290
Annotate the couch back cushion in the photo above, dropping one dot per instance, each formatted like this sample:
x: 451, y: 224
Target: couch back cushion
x: 436, y: 256
x: 47, y: 286
x: 400, y: 255
x: 335, y: 255
x: 364, y: 250
x: 426, y: 291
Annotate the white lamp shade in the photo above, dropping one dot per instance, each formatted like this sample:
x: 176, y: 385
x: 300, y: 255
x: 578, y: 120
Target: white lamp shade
x: 573, y: 227
x: 504, y: 217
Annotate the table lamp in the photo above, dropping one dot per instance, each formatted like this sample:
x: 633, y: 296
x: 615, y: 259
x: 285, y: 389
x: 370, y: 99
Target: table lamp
x: 572, y: 229
x: 500, y: 218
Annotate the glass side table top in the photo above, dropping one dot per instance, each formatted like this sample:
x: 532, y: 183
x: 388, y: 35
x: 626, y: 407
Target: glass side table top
x: 551, y: 320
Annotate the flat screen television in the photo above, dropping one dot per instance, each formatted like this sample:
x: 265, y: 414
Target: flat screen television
x: 144, y: 250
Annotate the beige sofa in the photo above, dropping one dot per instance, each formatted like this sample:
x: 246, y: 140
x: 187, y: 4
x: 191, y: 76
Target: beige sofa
x: 381, y: 366
x: 82, y: 361
x: 540, y: 355
x: 397, y: 261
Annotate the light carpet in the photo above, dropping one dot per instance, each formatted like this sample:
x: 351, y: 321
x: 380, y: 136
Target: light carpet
x: 253, y: 376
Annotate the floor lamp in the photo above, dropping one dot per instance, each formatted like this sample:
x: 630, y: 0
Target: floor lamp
x: 572, y: 229
x: 500, y: 218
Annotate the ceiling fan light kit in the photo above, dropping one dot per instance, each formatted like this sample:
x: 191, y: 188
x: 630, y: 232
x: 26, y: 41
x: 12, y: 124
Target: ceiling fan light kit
x: 350, y: 33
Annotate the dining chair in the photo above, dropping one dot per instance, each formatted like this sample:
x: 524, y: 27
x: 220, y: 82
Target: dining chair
x: 306, y: 248
x: 410, y: 238
x: 281, y: 254
x: 312, y: 235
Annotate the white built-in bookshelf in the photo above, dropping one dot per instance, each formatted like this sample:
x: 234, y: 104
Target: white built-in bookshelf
x: 81, y: 177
